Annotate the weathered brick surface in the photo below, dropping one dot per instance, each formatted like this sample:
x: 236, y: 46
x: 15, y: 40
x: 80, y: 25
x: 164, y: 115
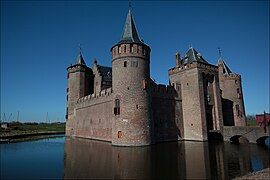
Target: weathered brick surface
x: 167, y: 113
x: 80, y: 78
x: 231, y: 99
x: 132, y: 127
x: 191, y: 78
x: 188, y: 108
x: 93, y: 118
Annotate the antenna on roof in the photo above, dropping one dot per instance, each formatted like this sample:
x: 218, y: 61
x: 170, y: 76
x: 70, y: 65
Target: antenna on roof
x: 190, y: 45
x: 219, y: 52
x: 129, y: 5
x: 80, y: 48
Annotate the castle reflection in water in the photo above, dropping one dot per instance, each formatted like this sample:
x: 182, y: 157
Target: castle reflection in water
x: 183, y: 160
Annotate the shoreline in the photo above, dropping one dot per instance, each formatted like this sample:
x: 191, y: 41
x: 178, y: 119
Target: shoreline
x: 27, y: 136
x: 262, y: 174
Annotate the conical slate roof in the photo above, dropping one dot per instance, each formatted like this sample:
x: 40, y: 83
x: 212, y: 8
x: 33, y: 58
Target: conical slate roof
x: 130, y: 34
x: 80, y: 59
x: 192, y: 55
x: 226, y: 69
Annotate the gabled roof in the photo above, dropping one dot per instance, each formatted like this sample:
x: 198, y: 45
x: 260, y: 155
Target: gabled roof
x: 130, y: 34
x: 192, y: 55
x: 226, y: 69
x: 80, y: 59
x: 106, y: 72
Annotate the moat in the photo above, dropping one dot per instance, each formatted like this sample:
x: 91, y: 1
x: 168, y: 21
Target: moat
x: 61, y: 157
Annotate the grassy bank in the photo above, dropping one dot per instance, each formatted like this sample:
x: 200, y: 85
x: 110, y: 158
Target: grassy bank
x: 20, y: 130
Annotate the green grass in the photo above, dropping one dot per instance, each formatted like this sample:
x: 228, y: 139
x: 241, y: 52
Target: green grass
x: 251, y: 123
x: 15, y: 128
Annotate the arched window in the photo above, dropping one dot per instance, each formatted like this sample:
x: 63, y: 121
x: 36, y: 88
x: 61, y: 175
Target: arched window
x: 125, y: 63
x: 119, y: 134
x: 117, y: 107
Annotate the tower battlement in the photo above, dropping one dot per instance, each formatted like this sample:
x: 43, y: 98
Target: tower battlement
x: 231, y: 76
x: 163, y: 91
x: 104, y: 93
x: 77, y: 67
x: 130, y: 50
x: 182, y: 68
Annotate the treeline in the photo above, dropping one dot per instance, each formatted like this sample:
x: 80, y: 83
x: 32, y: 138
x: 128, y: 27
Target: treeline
x: 16, y: 123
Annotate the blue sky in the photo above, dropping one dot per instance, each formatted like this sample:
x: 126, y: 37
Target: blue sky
x: 40, y: 39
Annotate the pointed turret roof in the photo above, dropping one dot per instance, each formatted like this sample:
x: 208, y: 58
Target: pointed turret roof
x: 130, y: 34
x: 226, y: 69
x: 192, y: 55
x: 80, y: 59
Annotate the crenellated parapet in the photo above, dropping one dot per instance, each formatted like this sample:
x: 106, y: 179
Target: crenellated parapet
x: 78, y: 68
x: 95, y: 98
x: 182, y: 68
x: 130, y: 50
x: 163, y: 91
x: 232, y: 76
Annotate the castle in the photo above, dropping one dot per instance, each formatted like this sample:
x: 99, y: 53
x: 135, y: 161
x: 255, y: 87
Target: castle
x: 123, y: 105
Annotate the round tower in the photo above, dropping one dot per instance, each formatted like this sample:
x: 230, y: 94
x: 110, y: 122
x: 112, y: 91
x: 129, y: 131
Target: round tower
x: 78, y: 77
x: 130, y: 72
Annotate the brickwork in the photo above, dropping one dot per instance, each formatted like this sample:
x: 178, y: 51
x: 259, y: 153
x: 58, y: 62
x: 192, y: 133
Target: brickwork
x: 93, y: 117
x: 125, y: 106
x: 167, y: 113
x: 79, y: 80
x: 132, y: 126
x: 232, y: 97
x: 194, y: 94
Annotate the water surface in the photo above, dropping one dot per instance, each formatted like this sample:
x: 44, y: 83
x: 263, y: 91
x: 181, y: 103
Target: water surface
x: 61, y: 157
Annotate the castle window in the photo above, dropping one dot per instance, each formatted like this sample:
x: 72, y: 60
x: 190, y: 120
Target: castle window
x: 67, y: 90
x: 119, y: 49
x: 137, y: 106
x: 67, y: 75
x: 239, y: 113
x: 117, y: 107
x: 125, y: 48
x: 187, y: 84
x: 131, y: 48
x: 236, y: 81
x: 144, y: 83
x: 119, y: 134
x: 144, y: 51
x: 67, y: 97
x: 239, y: 93
x: 134, y: 63
x: 125, y: 63
x: 179, y: 87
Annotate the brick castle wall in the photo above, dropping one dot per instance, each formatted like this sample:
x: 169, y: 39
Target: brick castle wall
x: 93, y: 116
x: 232, y: 98
x: 167, y: 113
